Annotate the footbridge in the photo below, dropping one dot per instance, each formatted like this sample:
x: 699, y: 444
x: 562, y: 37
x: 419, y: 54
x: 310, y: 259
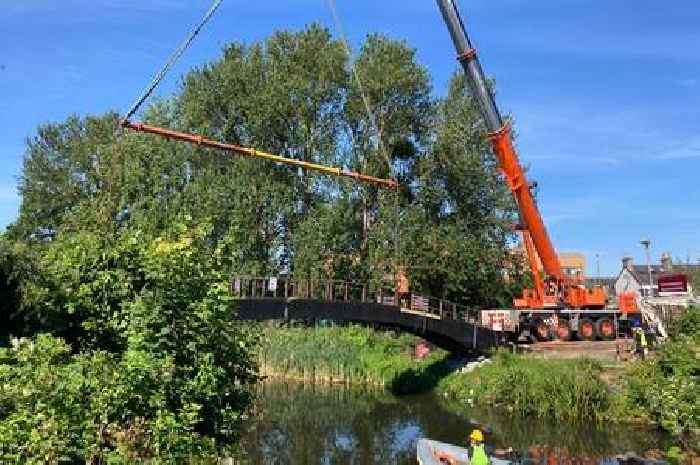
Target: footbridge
x: 285, y: 298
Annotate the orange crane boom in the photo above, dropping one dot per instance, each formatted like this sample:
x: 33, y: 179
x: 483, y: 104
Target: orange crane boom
x: 566, y: 291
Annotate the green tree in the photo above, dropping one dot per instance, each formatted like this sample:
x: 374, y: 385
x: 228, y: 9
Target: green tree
x: 64, y: 165
x: 133, y: 302
x: 9, y: 289
x: 294, y: 94
x: 283, y: 95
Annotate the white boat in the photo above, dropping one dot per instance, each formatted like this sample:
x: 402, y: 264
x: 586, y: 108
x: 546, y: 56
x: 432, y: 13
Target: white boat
x: 431, y: 452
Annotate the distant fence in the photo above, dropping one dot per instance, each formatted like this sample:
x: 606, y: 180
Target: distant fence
x: 668, y: 310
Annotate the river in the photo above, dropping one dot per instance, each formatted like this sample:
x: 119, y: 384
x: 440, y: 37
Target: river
x: 309, y: 424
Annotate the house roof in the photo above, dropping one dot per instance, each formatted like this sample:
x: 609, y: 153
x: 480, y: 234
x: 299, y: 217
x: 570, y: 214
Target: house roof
x: 602, y: 281
x: 641, y: 273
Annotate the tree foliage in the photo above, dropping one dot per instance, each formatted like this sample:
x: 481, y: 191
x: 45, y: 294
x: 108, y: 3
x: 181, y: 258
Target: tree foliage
x: 161, y: 360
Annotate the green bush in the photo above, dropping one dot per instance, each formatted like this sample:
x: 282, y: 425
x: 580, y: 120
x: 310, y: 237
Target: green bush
x: 688, y: 324
x: 665, y: 390
x: 93, y: 408
x: 160, y: 361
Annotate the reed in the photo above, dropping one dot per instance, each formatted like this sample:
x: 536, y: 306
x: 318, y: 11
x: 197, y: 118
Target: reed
x: 569, y: 390
x: 349, y: 355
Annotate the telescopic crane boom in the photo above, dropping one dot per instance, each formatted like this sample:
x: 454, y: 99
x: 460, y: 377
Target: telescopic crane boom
x: 561, y: 290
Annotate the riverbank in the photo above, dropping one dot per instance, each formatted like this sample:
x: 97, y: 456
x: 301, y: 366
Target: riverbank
x: 569, y: 390
x: 350, y: 355
x: 662, y: 391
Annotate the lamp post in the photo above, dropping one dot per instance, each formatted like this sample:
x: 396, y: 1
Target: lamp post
x: 646, y: 243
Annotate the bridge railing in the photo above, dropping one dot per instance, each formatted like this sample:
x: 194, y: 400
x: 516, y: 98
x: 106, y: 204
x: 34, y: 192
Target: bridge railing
x: 251, y: 287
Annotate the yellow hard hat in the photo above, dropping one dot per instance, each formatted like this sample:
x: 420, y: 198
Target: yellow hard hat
x: 477, y: 436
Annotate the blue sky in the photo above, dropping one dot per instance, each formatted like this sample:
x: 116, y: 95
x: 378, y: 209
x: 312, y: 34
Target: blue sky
x: 606, y: 95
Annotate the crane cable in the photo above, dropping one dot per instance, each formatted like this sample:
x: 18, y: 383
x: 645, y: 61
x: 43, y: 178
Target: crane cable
x: 177, y: 53
x: 365, y: 100
x: 381, y: 148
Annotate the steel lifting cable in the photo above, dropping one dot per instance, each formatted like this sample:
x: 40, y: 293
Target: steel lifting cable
x: 365, y: 100
x: 374, y: 127
x: 201, y: 141
x: 171, y: 61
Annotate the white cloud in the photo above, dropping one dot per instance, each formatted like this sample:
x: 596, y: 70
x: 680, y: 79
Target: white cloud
x: 560, y: 209
x: 576, y: 134
x: 687, y: 82
x: 686, y: 149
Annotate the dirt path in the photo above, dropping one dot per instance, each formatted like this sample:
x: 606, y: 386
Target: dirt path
x: 601, y: 350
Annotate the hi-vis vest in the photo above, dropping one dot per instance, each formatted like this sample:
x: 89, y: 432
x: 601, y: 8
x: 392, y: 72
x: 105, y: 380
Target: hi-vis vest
x: 642, y: 339
x: 479, y: 456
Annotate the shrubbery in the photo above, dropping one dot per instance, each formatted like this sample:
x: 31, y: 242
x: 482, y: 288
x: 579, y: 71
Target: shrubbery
x: 95, y: 407
x: 163, y: 370
x: 667, y: 390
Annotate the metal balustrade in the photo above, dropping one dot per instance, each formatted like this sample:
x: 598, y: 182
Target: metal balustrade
x: 328, y: 290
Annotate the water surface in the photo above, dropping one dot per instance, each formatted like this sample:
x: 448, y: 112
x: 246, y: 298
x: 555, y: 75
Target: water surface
x: 307, y: 425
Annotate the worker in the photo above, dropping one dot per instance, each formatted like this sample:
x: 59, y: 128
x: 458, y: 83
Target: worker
x: 640, y: 340
x: 477, y: 453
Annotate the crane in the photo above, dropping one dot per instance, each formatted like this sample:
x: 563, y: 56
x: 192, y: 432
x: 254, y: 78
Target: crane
x: 555, y: 289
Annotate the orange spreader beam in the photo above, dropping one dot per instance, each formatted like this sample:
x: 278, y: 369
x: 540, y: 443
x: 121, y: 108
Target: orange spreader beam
x: 253, y: 153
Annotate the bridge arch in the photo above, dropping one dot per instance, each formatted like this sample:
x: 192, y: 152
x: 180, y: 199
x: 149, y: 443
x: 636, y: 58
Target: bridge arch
x: 445, y: 332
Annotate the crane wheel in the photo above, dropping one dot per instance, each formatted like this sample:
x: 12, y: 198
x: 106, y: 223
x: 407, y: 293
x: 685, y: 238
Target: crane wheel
x: 542, y: 331
x: 563, y: 330
x: 586, y: 329
x: 605, y: 329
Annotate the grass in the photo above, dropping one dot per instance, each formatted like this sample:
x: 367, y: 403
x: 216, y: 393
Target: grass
x: 349, y: 355
x: 569, y: 390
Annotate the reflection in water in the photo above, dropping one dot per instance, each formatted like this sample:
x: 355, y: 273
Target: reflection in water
x: 300, y: 425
